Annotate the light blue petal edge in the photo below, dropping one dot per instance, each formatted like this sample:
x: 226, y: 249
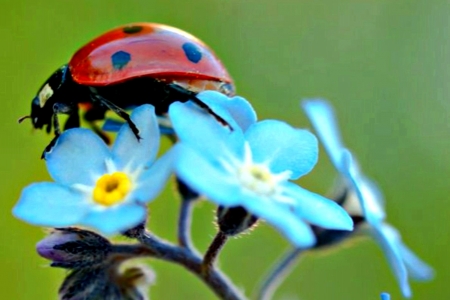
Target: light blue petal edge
x: 50, y: 204
x: 321, y: 116
x: 283, y: 147
x: 417, y: 269
x: 317, y: 209
x: 115, y: 219
x: 128, y: 151
x: 373, y: 211
x: 200, y: 131
x: 215, y: 183
x: 79, y: 157
x: 389, y: 239
x: 278, y: 215
x: 153, y: 180
x: 234, y: 109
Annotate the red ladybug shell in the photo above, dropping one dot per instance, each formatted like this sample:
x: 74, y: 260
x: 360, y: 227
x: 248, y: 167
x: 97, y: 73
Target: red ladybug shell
x: 145, y: 50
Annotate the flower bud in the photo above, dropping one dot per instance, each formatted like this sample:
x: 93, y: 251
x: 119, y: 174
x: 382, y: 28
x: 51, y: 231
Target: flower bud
x: 107, y: 282
x: 348, y: 200
x: 234, y: 220
x: 73, y: 248
x: 136, y: 281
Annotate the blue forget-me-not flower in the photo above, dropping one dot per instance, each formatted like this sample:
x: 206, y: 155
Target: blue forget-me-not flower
x: 97, y: 186
x: 385, y: 296
x: 251, y: 165
x: 402, y: 260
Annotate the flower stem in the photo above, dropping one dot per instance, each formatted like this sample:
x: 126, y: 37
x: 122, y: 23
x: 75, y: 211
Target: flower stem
x: 130, y: 251
x: 214, y: 279
x: 213, y: 251
x: 184, y: 224
x: 277, y: 274
x: 189, y: 196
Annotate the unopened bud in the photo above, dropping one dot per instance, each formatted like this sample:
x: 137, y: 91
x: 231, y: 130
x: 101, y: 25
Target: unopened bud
x: 349, y: 201
x: 107, y: 282
x: 135, y: 281
x: 73, y: 248
x: 234, y: 220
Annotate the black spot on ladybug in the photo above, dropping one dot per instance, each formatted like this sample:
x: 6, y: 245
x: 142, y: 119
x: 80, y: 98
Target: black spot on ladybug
x: 120, y: 59
x: 132, y: 29
x: 192, y: 52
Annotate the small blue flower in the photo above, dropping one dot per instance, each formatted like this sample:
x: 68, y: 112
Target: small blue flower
x: 96, y: 186
x: 385, y: 296
x: 401, y: 259
x: 250, y: 166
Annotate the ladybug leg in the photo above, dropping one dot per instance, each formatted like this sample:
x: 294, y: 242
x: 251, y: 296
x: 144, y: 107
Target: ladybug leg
x: 48, y: 129
x: 49, y: 146
x: 188, y: 95
x: 65, y: 108
x: 120, y: 112
x: 94, y: 114
x: 56, y: 128
x: 58, y: 108
x: 57, y: 131
x: 73, y: 121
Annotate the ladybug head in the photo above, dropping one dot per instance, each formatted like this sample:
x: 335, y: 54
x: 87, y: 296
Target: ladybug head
x: 49, y: 94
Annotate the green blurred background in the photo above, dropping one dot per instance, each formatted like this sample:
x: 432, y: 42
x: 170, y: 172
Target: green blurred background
x: 383, y: 64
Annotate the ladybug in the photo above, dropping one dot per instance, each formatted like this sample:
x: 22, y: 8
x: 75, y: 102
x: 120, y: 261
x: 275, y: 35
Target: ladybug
x: 125, y: 67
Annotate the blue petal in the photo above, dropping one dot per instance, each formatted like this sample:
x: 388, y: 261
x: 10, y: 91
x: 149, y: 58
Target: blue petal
x: 152, y: 181
x: 366, y: 190
x: 50, y: 204
x: 389, y: 239
x: 202, y: 132
x: 233, y: 110
x: 291, y: 226
x: 417, y: 269
x: 321, y: 116
x: 115, y: 125
x: 283, y: 147
x: 130, y: 153
x: 214, y: 183
x: 79, y: 156
x: 318, y: 210
x: 115, y: 219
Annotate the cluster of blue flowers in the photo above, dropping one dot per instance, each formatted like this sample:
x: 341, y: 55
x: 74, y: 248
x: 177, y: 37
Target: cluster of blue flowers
x: 246, y: 167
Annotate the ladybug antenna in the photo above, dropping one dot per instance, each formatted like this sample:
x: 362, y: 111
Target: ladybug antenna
x: 23, y: 118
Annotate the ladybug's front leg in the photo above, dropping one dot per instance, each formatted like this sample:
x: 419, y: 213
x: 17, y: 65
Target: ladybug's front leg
x: 120, y: 112
x: 57, y: 131
x: 60, y: 108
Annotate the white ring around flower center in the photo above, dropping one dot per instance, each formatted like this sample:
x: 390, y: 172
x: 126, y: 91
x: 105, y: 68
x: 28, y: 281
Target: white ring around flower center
x: 258, y: 178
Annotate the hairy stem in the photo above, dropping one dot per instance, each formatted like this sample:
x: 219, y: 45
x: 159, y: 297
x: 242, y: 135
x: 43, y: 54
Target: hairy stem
x: 126, y: 251
x: 213, y: 251
x: 163, y: 250
x: 278, y: 274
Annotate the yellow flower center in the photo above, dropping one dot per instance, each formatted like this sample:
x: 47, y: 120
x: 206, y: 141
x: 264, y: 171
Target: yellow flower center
x: 111, y: 188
